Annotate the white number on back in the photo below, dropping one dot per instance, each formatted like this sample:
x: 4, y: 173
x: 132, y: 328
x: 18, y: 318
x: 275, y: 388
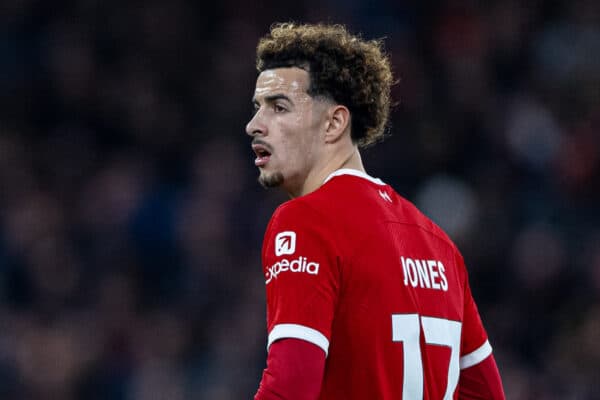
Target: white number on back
x: 406, y: 328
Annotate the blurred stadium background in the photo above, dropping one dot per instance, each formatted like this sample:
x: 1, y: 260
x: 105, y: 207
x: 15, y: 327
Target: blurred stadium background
x: 131, y: 221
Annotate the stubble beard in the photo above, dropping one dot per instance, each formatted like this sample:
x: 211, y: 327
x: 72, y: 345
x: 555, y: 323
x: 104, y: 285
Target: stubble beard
x: 270, y: 180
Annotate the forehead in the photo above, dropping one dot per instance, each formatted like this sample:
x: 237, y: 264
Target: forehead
x: 291, y: 81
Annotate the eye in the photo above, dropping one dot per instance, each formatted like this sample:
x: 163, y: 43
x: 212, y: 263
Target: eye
x: 278, y: 108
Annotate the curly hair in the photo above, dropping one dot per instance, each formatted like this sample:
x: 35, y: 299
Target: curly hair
x: 342, y: 67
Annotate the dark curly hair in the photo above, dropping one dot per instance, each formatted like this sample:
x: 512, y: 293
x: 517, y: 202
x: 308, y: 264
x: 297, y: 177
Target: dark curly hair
x: 343, y: 67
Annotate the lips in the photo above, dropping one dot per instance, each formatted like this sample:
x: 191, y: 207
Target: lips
x: 263, y: 154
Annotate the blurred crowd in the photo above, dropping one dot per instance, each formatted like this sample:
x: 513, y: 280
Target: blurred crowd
x: 131, y: 220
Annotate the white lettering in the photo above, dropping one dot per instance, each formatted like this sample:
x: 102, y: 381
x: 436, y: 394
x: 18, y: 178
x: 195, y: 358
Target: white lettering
x: 296, y: 265
x: 300, y: 264
x: 412, y: 273
x: 404, y: 270
x: 312, y: 268
x: 443, y: 276
x: 426, y: 274
x: 423, y: 275
x: 434, y: 274
x: 284, y: 265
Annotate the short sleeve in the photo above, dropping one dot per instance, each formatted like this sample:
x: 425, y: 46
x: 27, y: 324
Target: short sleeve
x: 475, y: 346
x: 301, y: 270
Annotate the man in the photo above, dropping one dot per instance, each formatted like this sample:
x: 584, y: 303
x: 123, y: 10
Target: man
x: 366, y: 298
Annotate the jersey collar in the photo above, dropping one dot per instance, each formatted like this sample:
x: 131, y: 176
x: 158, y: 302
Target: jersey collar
x: 353, y: 172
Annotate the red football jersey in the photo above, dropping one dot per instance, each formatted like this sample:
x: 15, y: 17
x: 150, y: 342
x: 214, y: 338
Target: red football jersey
x: 357, y: 270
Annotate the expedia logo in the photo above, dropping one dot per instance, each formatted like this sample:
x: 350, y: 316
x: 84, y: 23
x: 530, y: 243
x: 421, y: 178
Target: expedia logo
x: 285, y: 243
x: 298, y: 265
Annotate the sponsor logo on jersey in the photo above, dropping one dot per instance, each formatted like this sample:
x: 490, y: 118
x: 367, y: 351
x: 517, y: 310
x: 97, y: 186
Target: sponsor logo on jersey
x: 285, y: 243
x: 300, y: 264
x: 426, y: 274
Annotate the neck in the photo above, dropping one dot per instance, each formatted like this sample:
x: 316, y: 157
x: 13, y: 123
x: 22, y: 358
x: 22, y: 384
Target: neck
x: 315, y: 179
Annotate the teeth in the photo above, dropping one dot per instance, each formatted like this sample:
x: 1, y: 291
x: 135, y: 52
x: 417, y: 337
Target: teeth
x: 261, y: 152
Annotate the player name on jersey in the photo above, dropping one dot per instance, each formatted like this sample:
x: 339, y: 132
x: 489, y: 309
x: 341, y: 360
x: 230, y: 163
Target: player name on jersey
x: 426, y: 274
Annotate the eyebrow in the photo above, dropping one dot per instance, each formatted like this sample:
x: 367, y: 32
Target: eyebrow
x: 272, y: 98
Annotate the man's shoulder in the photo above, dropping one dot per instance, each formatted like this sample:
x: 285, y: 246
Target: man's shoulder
x: 322, y: 210
x: 349, y: 203
x: 357, y: 201
x: 412, y: 215
x: 318, y: 204
x: 296, y: 208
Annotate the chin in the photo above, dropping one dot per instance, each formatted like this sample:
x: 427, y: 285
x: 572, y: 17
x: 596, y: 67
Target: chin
x: 270, y: 180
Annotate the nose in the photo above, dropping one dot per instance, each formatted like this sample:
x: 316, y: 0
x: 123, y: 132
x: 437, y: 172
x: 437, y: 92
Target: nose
x: 255, y: 126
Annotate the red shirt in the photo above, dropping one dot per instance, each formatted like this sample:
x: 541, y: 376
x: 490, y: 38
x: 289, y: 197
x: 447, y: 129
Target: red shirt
x: 358, y: 271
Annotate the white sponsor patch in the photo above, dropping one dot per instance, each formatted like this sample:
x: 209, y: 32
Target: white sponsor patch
x: 285, y: 243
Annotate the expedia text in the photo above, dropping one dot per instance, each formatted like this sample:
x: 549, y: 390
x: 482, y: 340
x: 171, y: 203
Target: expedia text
x: 300, y: 264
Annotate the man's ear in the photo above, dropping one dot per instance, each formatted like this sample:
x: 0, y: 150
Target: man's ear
x: 338, y: 121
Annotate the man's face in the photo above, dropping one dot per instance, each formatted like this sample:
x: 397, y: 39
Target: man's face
x: 287, y: 128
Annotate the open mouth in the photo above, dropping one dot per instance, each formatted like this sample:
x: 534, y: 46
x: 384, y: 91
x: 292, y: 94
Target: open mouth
x: 262, y: 155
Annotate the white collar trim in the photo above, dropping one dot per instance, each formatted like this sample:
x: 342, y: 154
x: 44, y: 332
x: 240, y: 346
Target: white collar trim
x: 353, y: 172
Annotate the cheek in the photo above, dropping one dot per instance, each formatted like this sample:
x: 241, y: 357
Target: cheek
x: 297, y: 140
x: 290, y: 155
